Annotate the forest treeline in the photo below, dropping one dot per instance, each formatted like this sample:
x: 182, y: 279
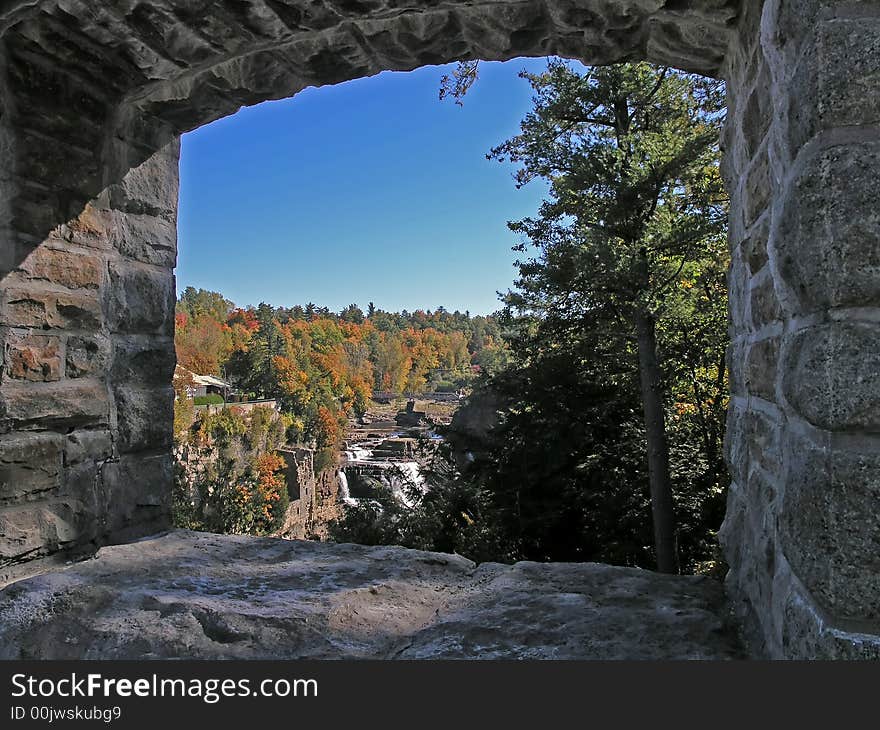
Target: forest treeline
x: 324, y: 366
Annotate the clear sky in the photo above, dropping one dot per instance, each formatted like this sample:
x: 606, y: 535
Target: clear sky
x: 371, y: 190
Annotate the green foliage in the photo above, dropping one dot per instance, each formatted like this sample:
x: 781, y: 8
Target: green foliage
x: 550, y: 450
x: 630, y: 242
x: 212, y: 399
x: 325, y: 459
x: 237, y: 485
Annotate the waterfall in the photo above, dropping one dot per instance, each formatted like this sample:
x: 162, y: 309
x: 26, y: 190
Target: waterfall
x: 343, y: 488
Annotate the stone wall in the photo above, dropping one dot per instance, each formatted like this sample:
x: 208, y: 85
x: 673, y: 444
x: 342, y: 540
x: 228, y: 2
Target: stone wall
x: 87, y: 326
x: 802, y: 532
x: 94, y: 95
x: 318, y: 496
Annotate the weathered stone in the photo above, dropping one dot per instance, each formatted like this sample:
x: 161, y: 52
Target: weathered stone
x: 736, y: 445
x: 92, y: 445
x: 755, y: 120
x: 764, y: 304
x: 31, y: 531
x: 141, y: 299
x: 321, y: 600
x: 831, y: 376
x: 828, y: 240
x: 86, y: 355
x: 755, y: 246
x: 805, y: 634
x: 72, y: 269
x: 33, y: 357
x: 738, y: 283
x: 91, y: 228
x: 151, y: 189
x: 144, y: 416
x: 62, y: 404
x: 30, y: 466
x: 758, y: 189
x: 737, y: 361
x: 831, y: 538
x: 763, y: 436
x: 762, y: 368
x: 143, y: 360
x: 146, y: 238
x: 76, y: 312
x: 836, y: 82
x: 46, y: 309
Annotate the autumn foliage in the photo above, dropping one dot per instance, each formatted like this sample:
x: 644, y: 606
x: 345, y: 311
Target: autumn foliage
x: 324, y: 367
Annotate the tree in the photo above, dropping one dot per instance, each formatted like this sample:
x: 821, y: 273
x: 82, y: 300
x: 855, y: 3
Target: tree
x: 636, y: 202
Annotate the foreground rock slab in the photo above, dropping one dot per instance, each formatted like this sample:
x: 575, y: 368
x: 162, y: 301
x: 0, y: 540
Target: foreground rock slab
x: 196, y: 595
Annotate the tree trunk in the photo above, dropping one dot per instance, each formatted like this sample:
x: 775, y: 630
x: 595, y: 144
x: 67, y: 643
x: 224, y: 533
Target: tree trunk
x: 658, y: 449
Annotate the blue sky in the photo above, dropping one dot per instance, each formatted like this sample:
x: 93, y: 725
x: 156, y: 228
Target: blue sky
x: 371, y: 190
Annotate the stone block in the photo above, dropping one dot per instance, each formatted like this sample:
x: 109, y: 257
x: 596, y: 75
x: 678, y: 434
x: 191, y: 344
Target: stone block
x: 32, y: 357
x: 736, y: 444
x: 831, y: 376
x: 91, y: 228
x: 831, y: 537
x: 150, y: 239
x: 738, y: 287
x: 763, y: 303
x: 151, y: 188
x: 138, y: 494
x: 145, y: 417
x: 143, y: 360
x: 76, y: 312
x: 758, y: 188
x: 30, y: 466
x: 27, y: 532
x: 71, y: 269
x: 835, y: 83
x: 46, y: 309
x: 762, y: 368
x: 64, y: 404
x: 141, y: 299
x: 757, y: 110
x: 26, y: 308
x: 737, y: 361
x: 828, y: 240
x: 763, y: 434
x: 86, y: 446
x: 86, y: 355
x: 755, y: 245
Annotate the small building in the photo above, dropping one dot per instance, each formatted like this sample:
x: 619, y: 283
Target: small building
x: 204, y: 384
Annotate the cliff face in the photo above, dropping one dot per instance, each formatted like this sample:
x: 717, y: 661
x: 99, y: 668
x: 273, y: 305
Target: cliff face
x: 314, y: 498
x: 193, y: 595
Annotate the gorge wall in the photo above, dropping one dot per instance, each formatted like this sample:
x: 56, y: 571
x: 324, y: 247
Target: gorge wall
x: 95, y: 95
x: 313, y: 496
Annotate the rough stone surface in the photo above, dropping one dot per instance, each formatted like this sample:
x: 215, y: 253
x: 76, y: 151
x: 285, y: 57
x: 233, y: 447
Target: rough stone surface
x: 195, y: 595
x: 802, y: 166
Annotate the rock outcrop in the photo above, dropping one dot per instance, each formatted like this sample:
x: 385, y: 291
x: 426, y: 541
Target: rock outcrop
x: 198, y: 595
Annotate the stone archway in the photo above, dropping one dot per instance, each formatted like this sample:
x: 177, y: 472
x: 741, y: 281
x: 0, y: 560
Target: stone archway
x: 96, y: 94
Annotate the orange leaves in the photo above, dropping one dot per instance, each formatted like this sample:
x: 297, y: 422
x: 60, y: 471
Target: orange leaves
x: 202, y: 343
x: 269, y: 481
x: 328, y: 431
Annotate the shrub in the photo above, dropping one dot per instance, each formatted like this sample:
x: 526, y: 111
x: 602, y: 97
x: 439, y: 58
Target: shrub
x: 208, y: 400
